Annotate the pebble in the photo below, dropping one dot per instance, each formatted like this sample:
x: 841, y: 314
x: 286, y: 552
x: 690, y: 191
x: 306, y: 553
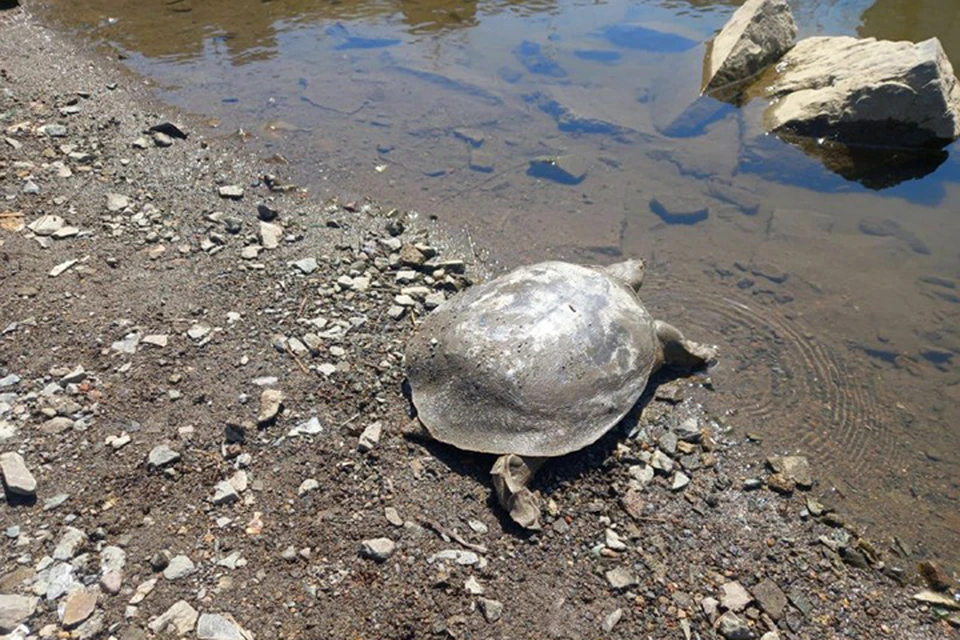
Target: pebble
x: 220, y: 626
x: 224, y: 493
x: 60, y: 581
x: 393, y: 516
x: 306, y: 266
x: 378, y: 549
x: 613, y: 541
x: 128, y: 345
x: 179, y: 567
x: 680, y: 481
x: 307, y: 486
x: 180, y: 618
x: 118, y: 442
x: 117, y: 202
x: 732, y: 627
x: 16, y: 477
x: 611, y: 620
x: 796, y: 468
x: 60, y: 268
x: 143, y: 590
x: 370, y: 437
x: 620, y: 578
x: 770, y: 598
x: 232, y: 192
x: 199, y: 331
x: 54, y: 130
x: 309, y: 428
x: 661, y: 461
x: 492, y: 609
x: 473, y: 586
x: 55, y: 426
x: 270, y: 235
x: 460, y: 556
x: 162, y: 456
x: 270, y: 402
x: 734, y: 597
x: 10, y: 380
x: 15, y: 610
x: 79, y: 606
x: 70, y: 543
x: 46, y: 225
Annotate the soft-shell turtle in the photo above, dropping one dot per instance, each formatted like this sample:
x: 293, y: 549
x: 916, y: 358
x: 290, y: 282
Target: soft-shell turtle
x: 538, y: 363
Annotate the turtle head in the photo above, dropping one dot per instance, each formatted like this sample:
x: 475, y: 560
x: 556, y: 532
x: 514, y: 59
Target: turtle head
x: 630, y: 271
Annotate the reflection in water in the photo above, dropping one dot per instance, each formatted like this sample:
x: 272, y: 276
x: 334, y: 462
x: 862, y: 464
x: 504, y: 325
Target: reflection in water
x: 916, y: 20
x: 574, y: 129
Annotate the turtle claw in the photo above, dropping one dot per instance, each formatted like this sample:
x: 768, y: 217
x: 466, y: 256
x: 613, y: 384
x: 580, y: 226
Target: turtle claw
x: 511, y: 473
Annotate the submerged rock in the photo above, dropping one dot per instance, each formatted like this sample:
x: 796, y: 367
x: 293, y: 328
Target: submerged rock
x: 867, y: 92
x: 757, y: 35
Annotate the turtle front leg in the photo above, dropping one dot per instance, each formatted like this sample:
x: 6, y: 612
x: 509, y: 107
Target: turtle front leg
x: 511, y: 474
x: 680, y: 353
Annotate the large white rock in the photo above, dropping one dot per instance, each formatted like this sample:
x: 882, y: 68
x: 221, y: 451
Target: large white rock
x: 867, y: 92
x: 756, y: 36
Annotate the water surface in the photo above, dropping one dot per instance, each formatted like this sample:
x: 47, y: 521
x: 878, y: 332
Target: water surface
x: 830, y: 281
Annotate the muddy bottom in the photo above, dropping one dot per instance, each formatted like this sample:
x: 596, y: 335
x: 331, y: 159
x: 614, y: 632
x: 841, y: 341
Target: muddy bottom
x: 571, y: 130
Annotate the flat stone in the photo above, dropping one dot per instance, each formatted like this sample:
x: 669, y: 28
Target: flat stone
x: 61, y: 268
x: 17, y: 478
x: 117, y: 202
x: 270, y: 235
x: 306, y: 265
x: 128, y: 345
x: 679, y: 209
x: 621, y: 578
x: 473, y: 586
x: 224, y: 493
x: 565, y: 169
x: 220, y: 626
x: 611, y: 620
x: 492, y: 609
x: 162, y: 456
x: 69, y: 544
x: 770, y: 598
x: 734, y: 597
x: 58, y: 425
x: 271, y: 400
x: 179, y: 567
x: 370, y: 437
x: 231, y: 192
x: 46, y: 225
x: 901, y: 93
x: 199, y: 331
x: 60, y: 581
x: 796, y: 468
x: 15, y: 610
x: 378, y: 549
x: 937, y: 599
x: 311, y: 427
x: 393, y: 516
x: 459, y: 556
x: 180, y: 619
x: 156, y: 340
x: 79, y: 606
x: 758, y: 34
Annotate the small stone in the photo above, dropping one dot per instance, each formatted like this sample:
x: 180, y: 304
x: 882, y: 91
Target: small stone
x: 307, y: 486
x: 770, y: 598
x: 734, y: 597
x: 612, y: 541
x: 680, y: 481
x: 611, y: 620
x: 156, y: 340
x: 492, y: 609
x: 378, y: 549
x: 410, y: 256
x: 661, y: 462
x: 198, y: 332
x: 781, y: 483
x: 679, y: 209
x: 621, y: 578
x: 15, y: 610
x: 732, y: 627
x: 473, y: 587
x: 162, y: 456
x: 118, y: 442
x: 224, y: 493
x: 179, y: 618
x: 220, y: 626
x: 270, y: 235
x: 117, y: 202
x: 459, y: 556
x: 270, y: 402
x: 60, y: 268
x: 143, y: 590
x: 161, y: 139
x: 311, y: 427
x: 55, y: 426
x: 797, y: 468
x: 937, y: 599
x: 934, y: 575
x: 434, y: 300
x: 231, y: 192
x: 54, y: 130
x: 393, y: 516
x: 46, y: 225
x: 179, y: 567
x: 79, y: 606
x: 17, y: 478
x: 128, y: 345
x: 688, y: 430
x: 306, y: 266
x: 70, y: 543
x: 370, y: 437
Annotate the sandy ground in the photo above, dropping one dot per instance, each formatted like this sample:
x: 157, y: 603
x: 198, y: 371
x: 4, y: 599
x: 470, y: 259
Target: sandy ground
x: 205, y: 385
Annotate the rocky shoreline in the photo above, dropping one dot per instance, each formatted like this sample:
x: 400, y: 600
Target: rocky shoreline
x: 204, y: 434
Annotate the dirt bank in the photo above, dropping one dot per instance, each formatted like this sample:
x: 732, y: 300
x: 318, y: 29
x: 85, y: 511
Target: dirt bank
x: 191, y: 354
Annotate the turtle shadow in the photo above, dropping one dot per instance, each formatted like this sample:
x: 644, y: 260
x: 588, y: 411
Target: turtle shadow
x: 556, y: 472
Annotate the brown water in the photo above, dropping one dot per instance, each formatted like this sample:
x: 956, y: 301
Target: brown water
x: 832, y: 293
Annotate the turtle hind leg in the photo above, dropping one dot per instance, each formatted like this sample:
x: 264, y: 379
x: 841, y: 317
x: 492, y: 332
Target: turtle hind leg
x: 511, y: 474
x: 680, y: 353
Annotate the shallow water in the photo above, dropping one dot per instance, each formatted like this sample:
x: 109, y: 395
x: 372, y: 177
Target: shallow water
x: 833, y: 294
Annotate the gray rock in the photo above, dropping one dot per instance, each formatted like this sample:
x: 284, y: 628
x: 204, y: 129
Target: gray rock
x: 378, y: 549
x: 668, y: 443
x: 393, y: 516
x: 688, y: 430
x: 58, y: 425
x: 70, y: 543
x: 46, y: 225
x: 179, y: 619
x: 311, y: 427
x: 54, y: 130
x: 611, y: 620
x: 270, y: 235
x: 492, y: 609
x: 306, y: 265
x: 680, y: 481
x: 796, y: 468
x: 661, y: 461
x: 10, y: 380
x: 224, y: 493
x: 758, y: 34
x: 370, y: 437
x: 732, y: 627
x: 307, y: 486
x: 17, y: 478
x: 179, y: 567
x: 60, y: 580
x: 734, y: 597
x: 117, y: 202
x: 270, y: 402
x: 232, y: 192
x: 902, y: 93
x: 621, y: 578
x: 770, y: 598
x: 220, y: 626
x: 459, y: 556
x: 162, y: 456
x: 15, y: 610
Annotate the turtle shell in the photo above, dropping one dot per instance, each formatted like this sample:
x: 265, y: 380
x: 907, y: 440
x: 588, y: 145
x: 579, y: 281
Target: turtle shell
x: 539, y: 362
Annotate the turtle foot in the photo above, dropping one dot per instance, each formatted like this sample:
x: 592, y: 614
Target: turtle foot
x: 511, y: 473
x: 680, y: 353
